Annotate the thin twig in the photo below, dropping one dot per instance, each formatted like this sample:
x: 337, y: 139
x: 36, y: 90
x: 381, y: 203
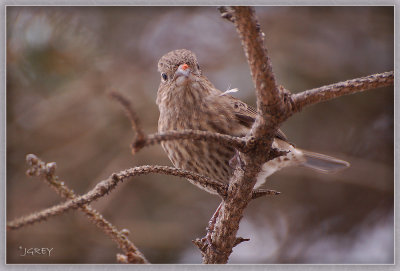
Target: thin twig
x: 126, y: 104
x: 263, y: 192
x: 240, y: 240
x: 141, y: 140
x: 47, y: 172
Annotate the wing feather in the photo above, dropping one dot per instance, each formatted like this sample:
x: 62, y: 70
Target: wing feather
x: 246, y: 115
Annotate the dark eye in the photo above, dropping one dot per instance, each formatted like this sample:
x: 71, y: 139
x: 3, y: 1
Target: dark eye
x: 164, y: 76
x: 198, y: 67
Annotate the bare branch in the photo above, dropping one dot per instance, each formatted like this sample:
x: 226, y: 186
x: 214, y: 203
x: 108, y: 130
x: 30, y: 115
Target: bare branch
x: 198, y: 179
x: 141, y: 140
x: 74, y: 203
x: 104, y: 187
x: 271, y: 110
x: 270, y: 104
x: 332, y: 91
x: 47, y: 173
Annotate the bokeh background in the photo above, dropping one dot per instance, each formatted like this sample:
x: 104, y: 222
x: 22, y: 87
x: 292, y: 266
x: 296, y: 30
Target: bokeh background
x: 62, y: 61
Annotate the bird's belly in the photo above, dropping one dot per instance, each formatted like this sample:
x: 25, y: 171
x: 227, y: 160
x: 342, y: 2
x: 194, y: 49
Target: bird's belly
x: 205, y: 158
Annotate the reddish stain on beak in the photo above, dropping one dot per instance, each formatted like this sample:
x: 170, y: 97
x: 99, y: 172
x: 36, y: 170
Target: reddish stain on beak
x: 185, y: 66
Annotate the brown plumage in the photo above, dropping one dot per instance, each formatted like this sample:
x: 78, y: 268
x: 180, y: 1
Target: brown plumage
x: 188, y: 100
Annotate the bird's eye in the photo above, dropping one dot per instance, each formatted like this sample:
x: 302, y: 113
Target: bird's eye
x: 164, y: 76
x: 198, y: 67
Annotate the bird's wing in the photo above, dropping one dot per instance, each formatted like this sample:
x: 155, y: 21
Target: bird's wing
x: 246, y: 115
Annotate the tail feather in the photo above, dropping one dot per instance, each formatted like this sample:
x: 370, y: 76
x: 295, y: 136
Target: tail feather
x: 323, y: 163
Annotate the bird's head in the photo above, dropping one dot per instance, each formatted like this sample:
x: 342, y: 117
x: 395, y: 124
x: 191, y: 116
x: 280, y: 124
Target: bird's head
x: 178, y: 67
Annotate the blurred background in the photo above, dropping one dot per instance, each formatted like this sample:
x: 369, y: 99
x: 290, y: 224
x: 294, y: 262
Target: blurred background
x: 62, y: 61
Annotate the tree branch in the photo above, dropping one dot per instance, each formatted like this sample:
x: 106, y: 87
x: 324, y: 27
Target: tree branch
x: 270, y: 108
x: 104, y: 187
x: 141, y: 140
x: 270, y: 104
x: 274, y: 105
x: 325, y: 93
x: 47, y: 172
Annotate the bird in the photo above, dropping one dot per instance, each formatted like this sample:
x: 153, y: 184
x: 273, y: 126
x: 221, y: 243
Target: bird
x: 188, y: 100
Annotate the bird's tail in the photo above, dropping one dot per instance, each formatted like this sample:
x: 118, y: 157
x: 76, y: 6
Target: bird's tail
x: 323, y: 163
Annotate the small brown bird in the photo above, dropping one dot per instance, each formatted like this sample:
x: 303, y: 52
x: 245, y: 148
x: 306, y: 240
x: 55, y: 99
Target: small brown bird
x: 188, y: 100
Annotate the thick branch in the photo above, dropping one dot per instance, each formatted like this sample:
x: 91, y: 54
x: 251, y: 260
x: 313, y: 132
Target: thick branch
x: 332, y: 91
x: 270, y: 108
x: 270, y: 104
x: 274, y: 106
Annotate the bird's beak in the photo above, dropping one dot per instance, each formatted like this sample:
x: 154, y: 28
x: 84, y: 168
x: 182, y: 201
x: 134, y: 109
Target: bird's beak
x: 183, y: 70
